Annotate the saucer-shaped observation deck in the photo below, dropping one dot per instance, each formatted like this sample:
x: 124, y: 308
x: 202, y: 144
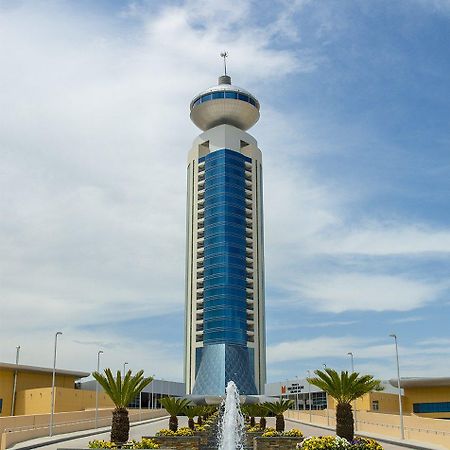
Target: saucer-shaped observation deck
x: 225, y: 104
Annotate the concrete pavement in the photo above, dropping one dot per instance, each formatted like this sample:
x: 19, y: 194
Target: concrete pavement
x: 149, y: 428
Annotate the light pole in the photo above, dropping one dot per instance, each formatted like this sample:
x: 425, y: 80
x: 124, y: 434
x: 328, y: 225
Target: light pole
x: 309, y: 394
x: 296, y: 393
x: 354, y: 403
x: 97, y: 388
x: 52, y: 411
x: 13, y: 403
x: 124, y: 365
x: 153, y: 383
x: 402, y: 430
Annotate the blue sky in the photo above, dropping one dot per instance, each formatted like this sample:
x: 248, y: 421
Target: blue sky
x: 94, y: 135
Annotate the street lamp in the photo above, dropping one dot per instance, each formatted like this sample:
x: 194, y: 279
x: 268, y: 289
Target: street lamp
x: 97, y: 388
x: 309, y: 394
x: 13, y: 404
x: 326, y: 397
x: 52, y: 411
x: 124, y: 364
x: 402, y: 430
x: 153, y: 383
x: 296, y: 393
x: 354, y: 403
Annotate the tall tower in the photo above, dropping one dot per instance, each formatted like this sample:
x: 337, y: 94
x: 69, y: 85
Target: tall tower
x: 225, y: 326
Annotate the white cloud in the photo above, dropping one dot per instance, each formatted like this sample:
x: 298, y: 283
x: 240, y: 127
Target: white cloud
x: 371, y: 356
x: 350, y: 291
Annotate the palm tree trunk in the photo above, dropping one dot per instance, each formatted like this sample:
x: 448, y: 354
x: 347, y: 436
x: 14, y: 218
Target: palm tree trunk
x: 120, y: 427
x: 173, y: 423
x: 344, y: 421
x: 191, y: 423
x: 262, y: 423
x: 252, y: 421
x: 199, y: 420
x: 279, y: 423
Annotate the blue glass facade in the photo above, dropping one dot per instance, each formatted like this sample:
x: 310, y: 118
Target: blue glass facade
x: 224, y: 318
x: 225, y: 355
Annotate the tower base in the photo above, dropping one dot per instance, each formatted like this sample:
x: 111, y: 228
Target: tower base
x: 221, y: 363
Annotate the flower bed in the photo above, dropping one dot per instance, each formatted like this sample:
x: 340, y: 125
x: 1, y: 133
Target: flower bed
x: 276, y: 442
x: 337, y: 443
x: 177, y: 442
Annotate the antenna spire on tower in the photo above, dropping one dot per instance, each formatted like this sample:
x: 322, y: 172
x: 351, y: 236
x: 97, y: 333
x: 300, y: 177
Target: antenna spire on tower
x: 224, y: 55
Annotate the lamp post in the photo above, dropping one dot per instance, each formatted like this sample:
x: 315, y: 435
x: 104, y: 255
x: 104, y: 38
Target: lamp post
x: 97, y: 388
x: 354, y: 403
x: 309, y: 395
x: 13, y: 403
x: 124, y: 365
x: 402, y: 430
x: 52, y: 410
x: 153, y: 398
x: 296, y: 393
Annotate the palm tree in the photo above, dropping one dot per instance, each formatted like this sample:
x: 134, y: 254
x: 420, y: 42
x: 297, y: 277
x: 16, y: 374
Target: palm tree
x: 249, y: 410
x: 262, y: 413
x: 344, y: 388
x: 121, y: 391
x: 174, y: 406
x: 278, y: 408
x: 190, y: 412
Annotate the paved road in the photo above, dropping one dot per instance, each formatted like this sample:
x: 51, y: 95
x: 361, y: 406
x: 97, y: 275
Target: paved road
x: 149, y: 429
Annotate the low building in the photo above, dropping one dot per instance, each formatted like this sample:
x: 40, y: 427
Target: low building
x: 300, y: 392
x: 151, y: 395
x: 27, y: 390
x: 426, y: 397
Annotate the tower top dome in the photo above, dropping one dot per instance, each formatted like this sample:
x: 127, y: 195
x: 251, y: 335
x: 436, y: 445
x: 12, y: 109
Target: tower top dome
x: 224, y: 104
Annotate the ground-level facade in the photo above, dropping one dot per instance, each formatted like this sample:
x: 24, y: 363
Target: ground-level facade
x: 27, y: 390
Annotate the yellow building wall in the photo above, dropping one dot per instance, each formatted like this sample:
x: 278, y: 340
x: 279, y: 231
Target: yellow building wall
x: 429, y: 394
x: 38, y: 401
x: 387, y: 403
x: 6, y: 388
x: 28, y: 380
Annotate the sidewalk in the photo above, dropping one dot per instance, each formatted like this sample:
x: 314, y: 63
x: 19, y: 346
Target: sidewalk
x: 382, y: 438
x: 50, y: 441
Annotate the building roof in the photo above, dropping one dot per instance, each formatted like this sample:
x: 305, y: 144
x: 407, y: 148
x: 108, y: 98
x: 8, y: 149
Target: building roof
x: 22, y: 368
x: 421, y: 382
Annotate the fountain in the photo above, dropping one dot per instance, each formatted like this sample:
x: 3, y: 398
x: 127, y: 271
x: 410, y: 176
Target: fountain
x: 231, y: 435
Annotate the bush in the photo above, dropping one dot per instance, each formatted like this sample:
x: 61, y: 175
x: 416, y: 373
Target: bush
x: 270, y: 432
x: 101, y: 444
x: 360, y: 443
x: 255, y: 429
x: 325, y: 443
x: 185, y: 431
x: 200, y: 428
x: 145, y: 443
x: 165, y: 432
x: 293, y: 433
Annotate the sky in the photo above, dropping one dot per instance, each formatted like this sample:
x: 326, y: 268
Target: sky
x: 354, y: 130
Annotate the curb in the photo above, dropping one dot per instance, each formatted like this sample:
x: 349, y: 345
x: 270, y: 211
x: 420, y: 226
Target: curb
x: 387, y: 440
x: 81, y: 435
